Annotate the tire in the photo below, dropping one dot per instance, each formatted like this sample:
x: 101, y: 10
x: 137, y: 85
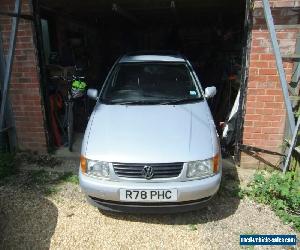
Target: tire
x: 70, y: 125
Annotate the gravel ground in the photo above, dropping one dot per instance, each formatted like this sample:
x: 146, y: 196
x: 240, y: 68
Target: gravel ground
x: 64, y: 220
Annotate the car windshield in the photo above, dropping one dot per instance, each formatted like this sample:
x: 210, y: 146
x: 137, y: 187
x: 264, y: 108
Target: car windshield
x: 150, y: 83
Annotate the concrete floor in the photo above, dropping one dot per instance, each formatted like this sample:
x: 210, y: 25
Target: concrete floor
x: 64, y: 151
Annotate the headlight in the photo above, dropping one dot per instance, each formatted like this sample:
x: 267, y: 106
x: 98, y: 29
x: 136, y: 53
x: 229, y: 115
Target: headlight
x: 205, y: 168
x: 94, y: 168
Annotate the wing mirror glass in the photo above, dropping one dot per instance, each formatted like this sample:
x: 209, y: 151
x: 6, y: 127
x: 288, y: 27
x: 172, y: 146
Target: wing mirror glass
x: 210, y: 92
x: 92, y: 93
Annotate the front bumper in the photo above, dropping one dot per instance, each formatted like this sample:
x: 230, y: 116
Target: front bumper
x: 190, y: 194
x: 148, y: 208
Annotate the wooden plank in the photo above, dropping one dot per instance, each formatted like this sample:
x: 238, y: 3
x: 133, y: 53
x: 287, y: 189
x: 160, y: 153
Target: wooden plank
x: 294, y: 98
x: 293, y: 56
x: 287, y: 26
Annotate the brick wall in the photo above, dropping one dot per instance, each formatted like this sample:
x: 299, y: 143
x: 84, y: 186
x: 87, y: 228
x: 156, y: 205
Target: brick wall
x: 265, y: 117
x: 25, y: 92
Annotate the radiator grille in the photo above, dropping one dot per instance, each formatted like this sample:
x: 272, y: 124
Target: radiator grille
x: 163, y: 170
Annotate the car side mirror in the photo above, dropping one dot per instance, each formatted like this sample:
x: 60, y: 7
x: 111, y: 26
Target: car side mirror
x: 210, y: 92
x: 93, y: 94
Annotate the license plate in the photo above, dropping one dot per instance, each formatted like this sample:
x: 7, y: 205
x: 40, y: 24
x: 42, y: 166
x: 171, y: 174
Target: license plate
x: 147, y: 195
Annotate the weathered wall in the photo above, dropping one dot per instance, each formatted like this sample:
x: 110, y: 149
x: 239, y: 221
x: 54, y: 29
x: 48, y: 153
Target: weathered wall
x: 265, y: 116
x: 25, y: 92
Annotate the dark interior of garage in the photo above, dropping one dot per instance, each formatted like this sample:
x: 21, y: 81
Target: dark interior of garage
x: 92, y: 34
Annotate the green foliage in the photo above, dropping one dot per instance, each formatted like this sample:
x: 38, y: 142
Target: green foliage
x: 39, y: 177
x: 42, y: 181
x: 297, y: 113
x: 281, y: 192
x: 230, y: 185
x: 48, y: 182
x: 7, y: 165
x: 70, y: 177
x: 192, y: 227
x: 50, y: 190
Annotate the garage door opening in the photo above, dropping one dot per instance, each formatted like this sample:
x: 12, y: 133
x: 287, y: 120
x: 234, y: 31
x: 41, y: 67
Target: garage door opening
x: 93, y: 34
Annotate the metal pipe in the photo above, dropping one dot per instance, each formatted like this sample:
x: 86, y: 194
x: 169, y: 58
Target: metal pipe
x: 9, y: 61
x: 280, y: 69
x: 296, y: 69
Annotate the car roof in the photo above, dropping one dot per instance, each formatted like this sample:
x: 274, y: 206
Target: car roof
x: 152, y: 57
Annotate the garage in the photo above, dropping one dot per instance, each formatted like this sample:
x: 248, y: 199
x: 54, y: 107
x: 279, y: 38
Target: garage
x: 228, y: 45
x: 160, y: 156
x: 93, y: 34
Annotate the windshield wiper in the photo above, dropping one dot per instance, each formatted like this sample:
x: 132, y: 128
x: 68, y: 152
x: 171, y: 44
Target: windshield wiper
x: 152, y: 102
x: 131, y: 102
x: 182, y: 100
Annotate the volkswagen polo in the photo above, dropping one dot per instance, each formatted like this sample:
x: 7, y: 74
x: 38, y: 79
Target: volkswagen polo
x: 150, y: 144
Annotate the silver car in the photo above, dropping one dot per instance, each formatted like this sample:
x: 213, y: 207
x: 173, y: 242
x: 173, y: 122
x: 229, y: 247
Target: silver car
x: 151, y: 144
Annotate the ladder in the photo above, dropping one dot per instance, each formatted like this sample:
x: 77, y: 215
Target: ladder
x: 284, y: 85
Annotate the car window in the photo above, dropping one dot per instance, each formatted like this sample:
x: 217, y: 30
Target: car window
x: 152, y: 82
